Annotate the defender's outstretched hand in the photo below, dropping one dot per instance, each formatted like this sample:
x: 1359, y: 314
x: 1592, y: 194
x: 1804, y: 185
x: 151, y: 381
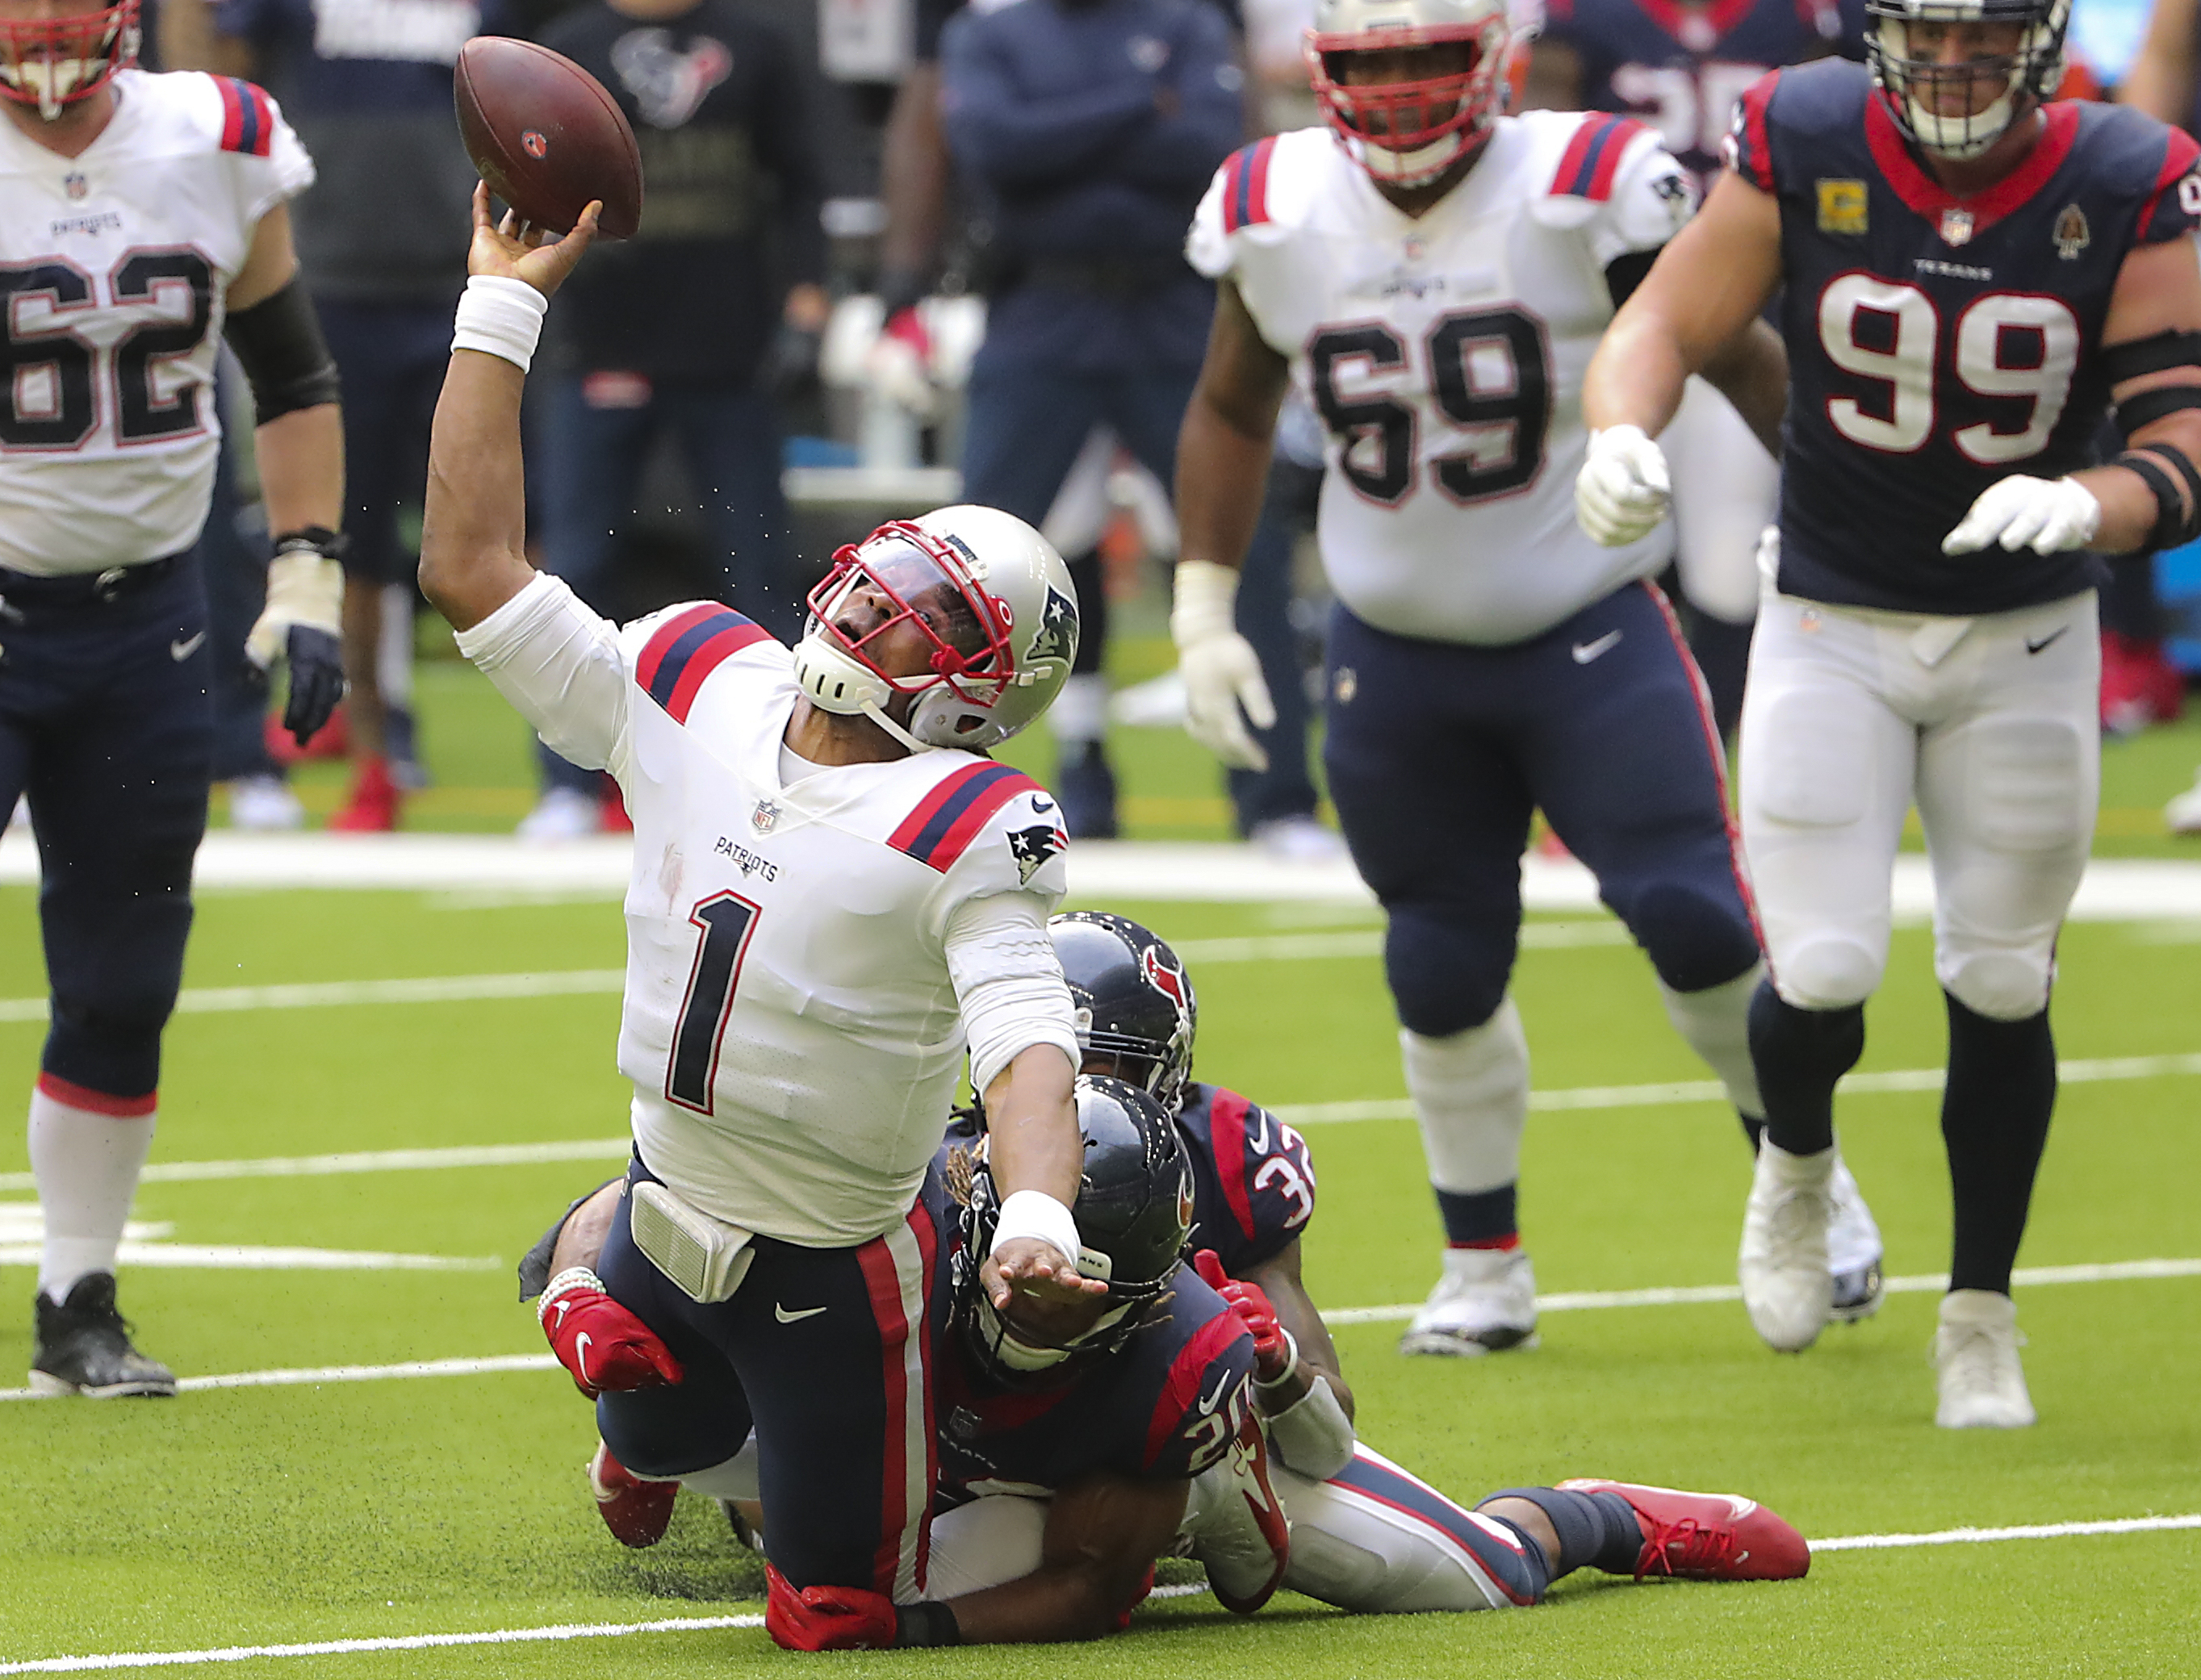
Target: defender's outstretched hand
x: 1027, y: 1266
x: 1222, y: 673
x: 2046, y: 515
x: 1622, y: 490
x: 511, y: 249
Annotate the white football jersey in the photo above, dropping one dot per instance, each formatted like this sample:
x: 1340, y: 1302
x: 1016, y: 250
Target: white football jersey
x: 115, y: 264
x: 1445, y: 354
x: 791, y: 1025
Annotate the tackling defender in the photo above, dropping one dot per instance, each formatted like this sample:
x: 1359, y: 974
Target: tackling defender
x: 144, y: 222
x: 834, y: 893
x: 1435, y: 275
x: 1974, y: 276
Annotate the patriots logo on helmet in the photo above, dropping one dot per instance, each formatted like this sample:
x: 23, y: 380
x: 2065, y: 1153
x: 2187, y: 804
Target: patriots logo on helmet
x: 1031, y: 848
x: 1058, y: 628
x: 1164, y: 979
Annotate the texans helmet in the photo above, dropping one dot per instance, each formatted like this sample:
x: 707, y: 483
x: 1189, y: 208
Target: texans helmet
x: 1133, y: 1001
x: 1134, y: 1213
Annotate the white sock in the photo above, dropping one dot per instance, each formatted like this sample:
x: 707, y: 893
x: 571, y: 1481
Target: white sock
x: 393, y: 654
x: 1471, y: 1094
x: 86, y: 1164
x: 1079, y: 716
x: 1717, y: 1023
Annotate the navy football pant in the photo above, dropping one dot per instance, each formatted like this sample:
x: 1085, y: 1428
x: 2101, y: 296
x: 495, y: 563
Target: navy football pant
x: 828, y: 1352
x: 105, y: 722
x: 1439, y: 754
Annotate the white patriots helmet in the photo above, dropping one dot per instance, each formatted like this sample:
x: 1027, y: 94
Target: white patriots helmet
x: 55, y: 60
x: 992, y: 597
x: 1408, y: 133
x: 2021, y: 80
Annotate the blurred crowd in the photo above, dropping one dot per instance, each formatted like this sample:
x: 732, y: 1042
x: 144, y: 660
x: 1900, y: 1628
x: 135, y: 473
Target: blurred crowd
x: 894, y: 253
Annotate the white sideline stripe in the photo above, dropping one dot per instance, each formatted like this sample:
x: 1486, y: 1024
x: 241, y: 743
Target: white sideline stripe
x: 439, y: 989
x: 2083, y: 1071
x: 224, y: 1257
x: 2114, y: 1271
x: 428, y: 1641
x: 1369, y: 942
x: 1296, y: 1114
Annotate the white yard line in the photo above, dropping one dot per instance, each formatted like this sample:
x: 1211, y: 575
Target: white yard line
x: 227, y: 1257
x: 429, y: 1641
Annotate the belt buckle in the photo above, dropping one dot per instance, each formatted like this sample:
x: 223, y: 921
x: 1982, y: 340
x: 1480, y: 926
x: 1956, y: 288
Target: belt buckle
x: 109, y: 584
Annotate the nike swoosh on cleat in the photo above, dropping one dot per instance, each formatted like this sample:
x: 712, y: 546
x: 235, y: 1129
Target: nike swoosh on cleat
x: 181, y: 651
x: 781, y: 1313
x: 1587, y: 650
x: 2033, y: 646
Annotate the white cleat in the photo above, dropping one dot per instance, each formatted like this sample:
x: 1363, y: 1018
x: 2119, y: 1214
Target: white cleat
x: 560, y: 816
x: 1854, y: 1249
x: 1982, y: 1382
x: 2183, y: 814
x: 264, y: 805
x: 1485, y: 1301
x: 1783, y: 1262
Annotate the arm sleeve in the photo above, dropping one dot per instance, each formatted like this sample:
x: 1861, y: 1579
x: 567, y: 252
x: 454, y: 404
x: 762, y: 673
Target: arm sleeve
x: 1010, y: 139
x: 1009, y: 983
x: 561, y: 667
x: 1747, y: 150
x: 2175, y: 207
x: 1177, y: 153
x: 1652, y: 196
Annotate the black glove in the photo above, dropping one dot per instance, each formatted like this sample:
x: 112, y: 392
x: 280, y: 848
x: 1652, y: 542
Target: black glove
x: 302, y: 625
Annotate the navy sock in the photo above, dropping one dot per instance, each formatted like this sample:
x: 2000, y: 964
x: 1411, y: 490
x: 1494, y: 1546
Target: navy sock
x: 1800, y: 1056
x: 1994, y: 1123
x: 1482, y: 1219
x: 1599, y: 1530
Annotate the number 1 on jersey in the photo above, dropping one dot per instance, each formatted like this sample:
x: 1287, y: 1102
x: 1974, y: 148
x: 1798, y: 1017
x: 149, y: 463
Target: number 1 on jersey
x: 726, y: 921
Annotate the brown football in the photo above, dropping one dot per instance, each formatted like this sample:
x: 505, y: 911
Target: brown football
x: 546, y: 136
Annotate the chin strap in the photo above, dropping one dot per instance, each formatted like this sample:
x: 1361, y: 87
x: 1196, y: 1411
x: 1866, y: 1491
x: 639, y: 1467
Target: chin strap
x: 878, y: 715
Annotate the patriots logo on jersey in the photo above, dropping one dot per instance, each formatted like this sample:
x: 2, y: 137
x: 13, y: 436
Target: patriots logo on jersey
x: 1031, y: 847
x: 1058, y: 628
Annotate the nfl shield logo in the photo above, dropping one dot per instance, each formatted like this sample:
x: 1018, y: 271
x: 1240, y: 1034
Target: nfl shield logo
x: 1955, y: 226
x: 75, y: 185
x: 765, y: 817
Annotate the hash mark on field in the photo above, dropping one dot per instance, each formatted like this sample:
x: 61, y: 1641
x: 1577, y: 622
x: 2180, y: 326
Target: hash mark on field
x: 428, y: 1641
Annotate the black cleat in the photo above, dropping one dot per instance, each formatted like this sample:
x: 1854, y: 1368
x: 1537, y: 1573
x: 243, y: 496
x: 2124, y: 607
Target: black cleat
x: 83, y: 1347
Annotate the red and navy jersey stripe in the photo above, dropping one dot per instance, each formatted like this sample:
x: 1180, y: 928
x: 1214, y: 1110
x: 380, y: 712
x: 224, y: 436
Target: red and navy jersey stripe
x: 248, y: 117
x: 1206, y: 1379
x: 1593, y: 157
x: 688, y: 648
x: 948, y: 818
x: 1246, y: 185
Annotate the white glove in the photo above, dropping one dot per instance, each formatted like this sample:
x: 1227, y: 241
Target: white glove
x: 2043, y: 514
x: 1622, y: 490
x: 1222, y: 673
x: 305, y: 588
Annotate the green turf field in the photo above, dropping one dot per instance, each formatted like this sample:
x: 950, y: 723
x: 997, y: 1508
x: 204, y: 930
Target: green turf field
x: 454, y: 1504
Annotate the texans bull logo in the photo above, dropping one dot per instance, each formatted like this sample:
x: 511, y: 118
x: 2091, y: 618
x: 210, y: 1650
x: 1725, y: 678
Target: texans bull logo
x: 1166, y: 979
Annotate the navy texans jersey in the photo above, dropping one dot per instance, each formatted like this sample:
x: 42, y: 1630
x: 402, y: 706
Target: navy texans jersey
x: 1682, y: 68
x: 1938, y: 344
x: 1253, y: 1186
x: 1164, y: 1407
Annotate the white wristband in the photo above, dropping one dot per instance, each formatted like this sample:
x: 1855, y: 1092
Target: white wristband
x: 572, y: 1277
x: 1204, y: 602
x: 500, y: 316
x: 1035, y: 1213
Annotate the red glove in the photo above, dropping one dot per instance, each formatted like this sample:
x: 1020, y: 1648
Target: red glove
x: 1272, y: 1348
x: 826, y: 1618
x: 907, y: 326
x: 603, y: 1345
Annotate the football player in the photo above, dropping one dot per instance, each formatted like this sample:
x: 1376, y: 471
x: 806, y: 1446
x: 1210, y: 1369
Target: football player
x: 1435, y: 275
x: 1974, y: 276
x: 835, y: 892
x: 1680, y: 69
x: 144, y: 222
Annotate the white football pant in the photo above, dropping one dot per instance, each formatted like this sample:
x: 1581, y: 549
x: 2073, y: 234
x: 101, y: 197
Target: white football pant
x: 1990, y: 724
x: 1726, y: 491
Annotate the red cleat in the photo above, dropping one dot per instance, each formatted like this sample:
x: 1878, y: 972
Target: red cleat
x: 638, y: 1512
x: 1707, y: 1537
x: 2139, y: 685
x: 331, y: 741
x: 372, y: 807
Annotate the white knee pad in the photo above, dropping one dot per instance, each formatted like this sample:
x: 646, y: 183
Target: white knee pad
x: 1471, y: 1094
x: 735, y: 1478
x: 2000, y: 985
x: 1826, y: 971
x: 1717, y: 1023
x: 1366, y: 1556
x: 984, y: 1543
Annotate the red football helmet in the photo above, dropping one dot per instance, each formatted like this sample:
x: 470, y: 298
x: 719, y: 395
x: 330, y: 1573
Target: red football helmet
x: 1409, y: 132
x: 56, y: 60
